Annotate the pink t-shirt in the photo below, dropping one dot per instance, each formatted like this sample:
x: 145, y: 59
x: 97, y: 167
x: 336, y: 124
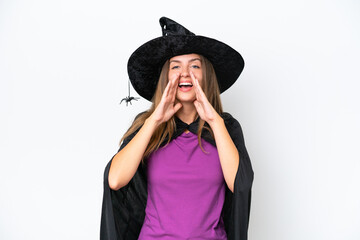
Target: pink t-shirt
x: 186, y: 192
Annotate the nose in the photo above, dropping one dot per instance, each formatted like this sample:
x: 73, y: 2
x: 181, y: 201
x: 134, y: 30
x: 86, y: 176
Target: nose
x: 185, y: 73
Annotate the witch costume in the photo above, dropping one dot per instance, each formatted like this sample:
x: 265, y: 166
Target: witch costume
x: 126, y: 212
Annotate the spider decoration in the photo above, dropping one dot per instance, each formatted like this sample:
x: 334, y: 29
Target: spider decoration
x: 128, y: 99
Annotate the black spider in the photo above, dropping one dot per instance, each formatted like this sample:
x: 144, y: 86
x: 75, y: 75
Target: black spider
x: 128, y: 99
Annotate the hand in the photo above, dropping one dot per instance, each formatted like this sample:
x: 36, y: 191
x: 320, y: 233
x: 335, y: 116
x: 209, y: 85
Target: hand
x: 167, y: 107
x: 205, y: 110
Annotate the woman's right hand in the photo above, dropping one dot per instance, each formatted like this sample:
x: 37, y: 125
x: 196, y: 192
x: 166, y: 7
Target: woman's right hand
x: 167, y: 107
x: 126, y: 162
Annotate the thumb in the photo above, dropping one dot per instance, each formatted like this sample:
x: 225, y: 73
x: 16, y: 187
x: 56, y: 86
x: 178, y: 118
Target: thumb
x: 177, y: 107
x: 196, y: 103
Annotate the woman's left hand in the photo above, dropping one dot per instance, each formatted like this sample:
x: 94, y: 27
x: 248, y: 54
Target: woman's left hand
x: 205, y: 110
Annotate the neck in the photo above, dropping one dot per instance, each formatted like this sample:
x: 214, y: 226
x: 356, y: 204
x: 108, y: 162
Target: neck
x: 187, y: 112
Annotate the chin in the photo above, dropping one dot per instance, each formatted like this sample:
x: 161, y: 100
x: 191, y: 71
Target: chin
x: 185, y: 96
x: 183, y: 99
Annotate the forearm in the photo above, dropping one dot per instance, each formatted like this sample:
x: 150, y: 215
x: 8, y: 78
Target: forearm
x: 127, y: 160
x: 228, y: 153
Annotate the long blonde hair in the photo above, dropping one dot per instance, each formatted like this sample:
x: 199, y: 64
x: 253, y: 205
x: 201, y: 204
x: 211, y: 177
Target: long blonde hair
x: 211, y: 89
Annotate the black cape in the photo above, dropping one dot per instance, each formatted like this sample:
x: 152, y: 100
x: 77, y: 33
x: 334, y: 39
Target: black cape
x: 123, y: 211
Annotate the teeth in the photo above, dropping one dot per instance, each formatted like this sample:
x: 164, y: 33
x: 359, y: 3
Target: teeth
x: 185, y: 84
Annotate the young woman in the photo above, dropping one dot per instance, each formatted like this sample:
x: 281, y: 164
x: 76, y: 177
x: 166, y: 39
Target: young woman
x: 182, y: 170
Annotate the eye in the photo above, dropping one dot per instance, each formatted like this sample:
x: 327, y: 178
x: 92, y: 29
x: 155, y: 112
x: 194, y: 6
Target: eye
x: 195, y: 66
x: 175, y: 67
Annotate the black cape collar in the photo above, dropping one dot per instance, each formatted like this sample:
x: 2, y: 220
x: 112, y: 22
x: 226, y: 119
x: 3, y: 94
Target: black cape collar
x: 192, y: 127
x: 182, y: 126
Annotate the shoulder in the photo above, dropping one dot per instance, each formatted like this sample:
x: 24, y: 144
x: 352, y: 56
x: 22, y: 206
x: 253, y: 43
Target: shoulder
x: 230, y: 121
x: 140, y: 114
x: 132, y: 131
x: 234, y: 128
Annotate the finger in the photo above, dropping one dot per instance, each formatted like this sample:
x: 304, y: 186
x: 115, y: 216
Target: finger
x: 197, y: 105
x: 171, y: 85
x: 177, y: 107
x: 166, y: 91
x: 176, y: 79
x: 199, y: 87
x: 174, y: 87
x: 174, y: 93
x: 200, y: 91
x: 193, y: 79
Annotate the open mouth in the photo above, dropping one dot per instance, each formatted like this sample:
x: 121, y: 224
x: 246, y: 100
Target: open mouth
x: 185, y: 85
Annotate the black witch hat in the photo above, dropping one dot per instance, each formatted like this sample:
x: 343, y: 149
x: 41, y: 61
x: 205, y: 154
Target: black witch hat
x: 145, y: 64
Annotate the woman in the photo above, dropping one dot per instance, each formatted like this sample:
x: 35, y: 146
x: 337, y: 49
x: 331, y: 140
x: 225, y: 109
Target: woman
x: 182, y: 170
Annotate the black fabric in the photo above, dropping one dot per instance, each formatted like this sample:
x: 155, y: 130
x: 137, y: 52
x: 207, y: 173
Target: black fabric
x: 170, y: 27
x: 146, y: 62
x: 123, y: 211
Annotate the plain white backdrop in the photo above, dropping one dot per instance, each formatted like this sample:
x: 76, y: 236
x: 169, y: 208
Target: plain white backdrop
x: 63, y: 72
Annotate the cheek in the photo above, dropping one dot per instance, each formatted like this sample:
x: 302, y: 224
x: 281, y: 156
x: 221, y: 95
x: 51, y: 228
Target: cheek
x: 198, y: 76
x: 171, y: 74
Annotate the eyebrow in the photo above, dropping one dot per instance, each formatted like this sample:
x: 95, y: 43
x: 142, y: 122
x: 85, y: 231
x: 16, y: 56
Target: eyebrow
x: 191, y: 60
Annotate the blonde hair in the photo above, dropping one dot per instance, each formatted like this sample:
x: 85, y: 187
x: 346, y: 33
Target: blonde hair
x: 211, y: 89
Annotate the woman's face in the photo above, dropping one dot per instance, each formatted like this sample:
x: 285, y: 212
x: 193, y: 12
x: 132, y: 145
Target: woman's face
x: 183, y: 64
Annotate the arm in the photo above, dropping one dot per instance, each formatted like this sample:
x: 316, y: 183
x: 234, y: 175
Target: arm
x: 228, y: 153
x: 127, y: 160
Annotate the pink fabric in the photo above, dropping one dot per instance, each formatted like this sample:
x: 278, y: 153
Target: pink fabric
x: 186, y: 192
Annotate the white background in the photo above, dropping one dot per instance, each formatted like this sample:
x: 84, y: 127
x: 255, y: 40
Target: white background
x: 63, y: 72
